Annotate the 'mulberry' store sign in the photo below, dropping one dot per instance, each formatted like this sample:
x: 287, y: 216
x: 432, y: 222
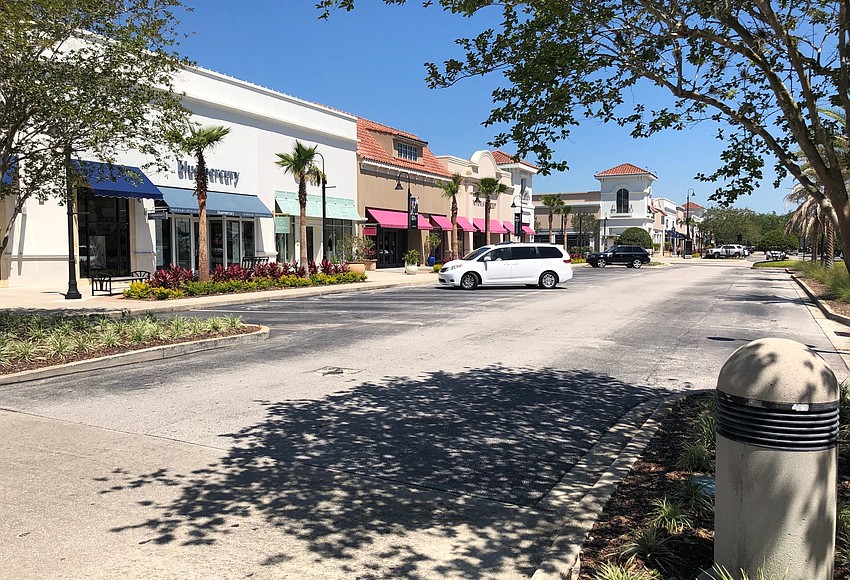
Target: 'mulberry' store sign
x: 186, y: 171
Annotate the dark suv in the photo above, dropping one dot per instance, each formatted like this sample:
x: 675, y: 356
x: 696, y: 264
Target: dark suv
x: 630, y: 256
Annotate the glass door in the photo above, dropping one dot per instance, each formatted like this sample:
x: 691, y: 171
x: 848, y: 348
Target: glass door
x: 183, y: 235
x: 216, y: 243
x: 234, y: 250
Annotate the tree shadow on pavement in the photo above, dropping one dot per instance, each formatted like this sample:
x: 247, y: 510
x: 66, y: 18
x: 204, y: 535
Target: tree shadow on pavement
x: 437, y: 475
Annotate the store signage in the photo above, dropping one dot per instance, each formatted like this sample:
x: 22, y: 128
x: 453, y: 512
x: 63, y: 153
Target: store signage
x: 158, y: 215
x: 281, y: 224
x: 413, y: 213
x: 223, y: 176
x: 370, y: 231
x: 517, y: 224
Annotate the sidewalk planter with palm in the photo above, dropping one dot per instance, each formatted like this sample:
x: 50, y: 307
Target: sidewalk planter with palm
x: 553, y: 204
x: 489, y: 188
x: 359, y: 253
x: 300, y: 162
x: 411, y: 262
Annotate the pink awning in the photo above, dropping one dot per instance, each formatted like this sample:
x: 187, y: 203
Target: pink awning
x: 510, y: 227
x: 442, y: 222
x: 495, y: 226
x: 527, y: 230
x: 464, y: 224
x: 387, y: 218
x: 423, y: 223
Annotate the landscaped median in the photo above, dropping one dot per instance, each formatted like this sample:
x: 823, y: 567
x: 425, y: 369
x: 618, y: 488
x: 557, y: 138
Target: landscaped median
x: 37, y: 346
x: 176, y: 282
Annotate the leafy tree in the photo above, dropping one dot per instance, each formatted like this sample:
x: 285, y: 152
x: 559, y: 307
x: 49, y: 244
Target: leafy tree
x: 728, y: 225
x: 635, y: 236
x: 451, y: 189
x: 759, y: 70
x: 553, y: 204
x: 777, y: 239
x: 198, y: 141
x: 489, y: 187
x: 586, y: 226
x: 300, y: 162
x: 93, y: 76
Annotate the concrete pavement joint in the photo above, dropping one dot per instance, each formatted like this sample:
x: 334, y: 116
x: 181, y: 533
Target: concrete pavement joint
x: 145, y: 355
x: 563, y: 560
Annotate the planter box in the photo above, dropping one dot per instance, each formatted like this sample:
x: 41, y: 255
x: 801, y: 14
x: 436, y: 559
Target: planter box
x: 358, y: 267
x: 411, y: 268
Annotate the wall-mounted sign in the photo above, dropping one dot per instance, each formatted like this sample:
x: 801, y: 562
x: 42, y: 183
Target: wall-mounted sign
x: 158, y: 215
x: 281, y: 224
x: 370, y: 231
x: 413, y: 213
x: 223, y: 176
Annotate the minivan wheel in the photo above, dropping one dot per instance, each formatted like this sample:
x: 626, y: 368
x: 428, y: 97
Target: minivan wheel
x: 637, y: 264
x: 548, y: 280
x: 469, y: 281
x: 600, y: 262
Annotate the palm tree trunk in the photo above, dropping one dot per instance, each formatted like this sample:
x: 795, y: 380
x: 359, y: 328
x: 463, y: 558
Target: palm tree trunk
x: 453, y: 242
x: 829, y: 249
x: 203, y: 251
x: 815, y: 238
x: 302, y: 201
x: 487, y: 220
x: 551, y: 238
x: 564, y: 228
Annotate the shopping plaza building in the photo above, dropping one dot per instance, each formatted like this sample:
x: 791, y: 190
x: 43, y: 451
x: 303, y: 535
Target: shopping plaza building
x: 252, y: 208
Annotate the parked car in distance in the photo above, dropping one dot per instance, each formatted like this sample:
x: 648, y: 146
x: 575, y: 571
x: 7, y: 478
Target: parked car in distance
x: 727, y: 251
x: 775, y: 254
x: 507, y: 264
x: 629, y: 256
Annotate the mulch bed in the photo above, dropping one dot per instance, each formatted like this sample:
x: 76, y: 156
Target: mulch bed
x: 655, y: 475
x: 101, y: 352
x: 820, y: 290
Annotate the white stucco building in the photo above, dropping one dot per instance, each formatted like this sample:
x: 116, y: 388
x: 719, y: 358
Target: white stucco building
x: 252, y: 207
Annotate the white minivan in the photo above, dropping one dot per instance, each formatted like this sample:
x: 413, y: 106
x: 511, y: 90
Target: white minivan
x: 509, y: 263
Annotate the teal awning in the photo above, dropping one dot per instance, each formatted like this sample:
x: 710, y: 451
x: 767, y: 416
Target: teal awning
x: 218, y: 204
x: 338, y: 208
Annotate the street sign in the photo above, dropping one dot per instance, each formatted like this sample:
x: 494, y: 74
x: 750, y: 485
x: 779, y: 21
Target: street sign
x: 158, y: 215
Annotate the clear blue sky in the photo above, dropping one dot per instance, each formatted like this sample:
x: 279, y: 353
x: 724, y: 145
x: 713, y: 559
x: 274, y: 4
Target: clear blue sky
x: 370, y: 62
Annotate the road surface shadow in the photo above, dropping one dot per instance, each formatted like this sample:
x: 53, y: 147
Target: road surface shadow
x: 361, y: 477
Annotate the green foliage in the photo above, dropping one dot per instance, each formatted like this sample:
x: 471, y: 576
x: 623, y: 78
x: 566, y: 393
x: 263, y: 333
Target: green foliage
x: 696, y: 457
x: 777, y: 239
x: 729, y: 225
x: 357, y: 248
x: 437, y: 267
x: 721, y: 573
x: 835, y: 278
x: 670, y: 515
x: 635, y: 236
x: 653, y: 548
x: 693, y: 497
x: 776, y: 264
x: 411, y: 258
x: 138, y: 291
x: 610, y: 571
x: 101, y: 98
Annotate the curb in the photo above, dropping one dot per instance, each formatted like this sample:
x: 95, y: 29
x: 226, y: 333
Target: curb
x: 824, y: 307
x: 563, y: 559
x: 145, y: 355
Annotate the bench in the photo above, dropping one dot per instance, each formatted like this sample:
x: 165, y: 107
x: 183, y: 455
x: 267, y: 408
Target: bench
x: 104, y: 283
x: 248, y: 262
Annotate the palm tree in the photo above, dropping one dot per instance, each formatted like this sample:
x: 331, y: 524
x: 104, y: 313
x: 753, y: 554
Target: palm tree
x: 489, y: 187
x: 300, y: 163
x: 199, y: 140
x: 450, y: 190
x: 564, y: 210
x: 553, y: 203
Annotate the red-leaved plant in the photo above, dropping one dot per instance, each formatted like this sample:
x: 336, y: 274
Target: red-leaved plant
x: 232, y: 272
x: 173, y: 277
x: 270, y: 270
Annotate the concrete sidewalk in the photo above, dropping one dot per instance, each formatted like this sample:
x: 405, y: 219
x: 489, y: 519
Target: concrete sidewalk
x: 53, y: 300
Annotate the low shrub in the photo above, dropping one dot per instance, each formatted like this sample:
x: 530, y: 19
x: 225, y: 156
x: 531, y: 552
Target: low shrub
x: 437, y: 267
x: 173, y: 277
x: 139, y: 291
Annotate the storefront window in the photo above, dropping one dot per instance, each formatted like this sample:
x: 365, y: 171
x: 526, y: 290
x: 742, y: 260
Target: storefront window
x: 183, y: 233
x: 248, y: 238
x: 216, y: 243
x: 234, y: 251
x: 104, y: 235
x: 163, y: 243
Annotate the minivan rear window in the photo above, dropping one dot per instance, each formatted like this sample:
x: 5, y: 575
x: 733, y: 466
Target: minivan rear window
x: 549, y: 252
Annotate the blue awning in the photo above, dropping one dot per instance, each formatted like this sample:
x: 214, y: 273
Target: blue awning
x: 183, y: 201
x: 676, y: 235
x: 117, y: 180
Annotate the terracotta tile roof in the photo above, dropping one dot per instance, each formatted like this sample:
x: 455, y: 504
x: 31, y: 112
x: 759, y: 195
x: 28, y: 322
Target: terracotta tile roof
x: 503, y: 158
x: 624, y: 169
x: 369, y: 148
x: 692, y: 205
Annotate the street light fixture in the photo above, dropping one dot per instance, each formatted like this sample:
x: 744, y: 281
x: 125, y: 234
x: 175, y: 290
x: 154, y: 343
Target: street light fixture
x: 518, y: 222
x: 324, y: 209
x: 398, y: 187
x: 73, y: 292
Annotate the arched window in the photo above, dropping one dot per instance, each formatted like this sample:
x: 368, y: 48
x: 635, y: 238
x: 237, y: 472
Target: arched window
x: 623, y: 201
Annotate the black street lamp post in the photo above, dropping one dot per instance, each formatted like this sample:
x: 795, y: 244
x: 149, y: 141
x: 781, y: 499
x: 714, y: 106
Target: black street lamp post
x: 73, y: 292
x: 518, y: 222
x: 398, y: 187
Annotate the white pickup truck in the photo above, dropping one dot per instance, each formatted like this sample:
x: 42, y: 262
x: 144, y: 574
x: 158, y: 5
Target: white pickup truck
x: 727, y: 251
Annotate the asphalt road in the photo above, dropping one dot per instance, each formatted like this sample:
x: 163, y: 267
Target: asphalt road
x: 415, y: 432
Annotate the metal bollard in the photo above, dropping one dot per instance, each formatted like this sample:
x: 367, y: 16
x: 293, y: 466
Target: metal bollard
x: 777, y: 432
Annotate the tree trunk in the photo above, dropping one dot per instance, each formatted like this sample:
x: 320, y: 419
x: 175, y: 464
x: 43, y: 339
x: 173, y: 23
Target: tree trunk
x: 815, y: 238
x: 453, y: 242
x: 829, y: 243
x: 16, y: 211
x: 551, y: 237
x: 302, y: 201
x: 201, y: 192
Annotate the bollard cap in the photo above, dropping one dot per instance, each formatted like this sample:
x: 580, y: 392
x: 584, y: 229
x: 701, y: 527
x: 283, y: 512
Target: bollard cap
x: 778, y: 370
